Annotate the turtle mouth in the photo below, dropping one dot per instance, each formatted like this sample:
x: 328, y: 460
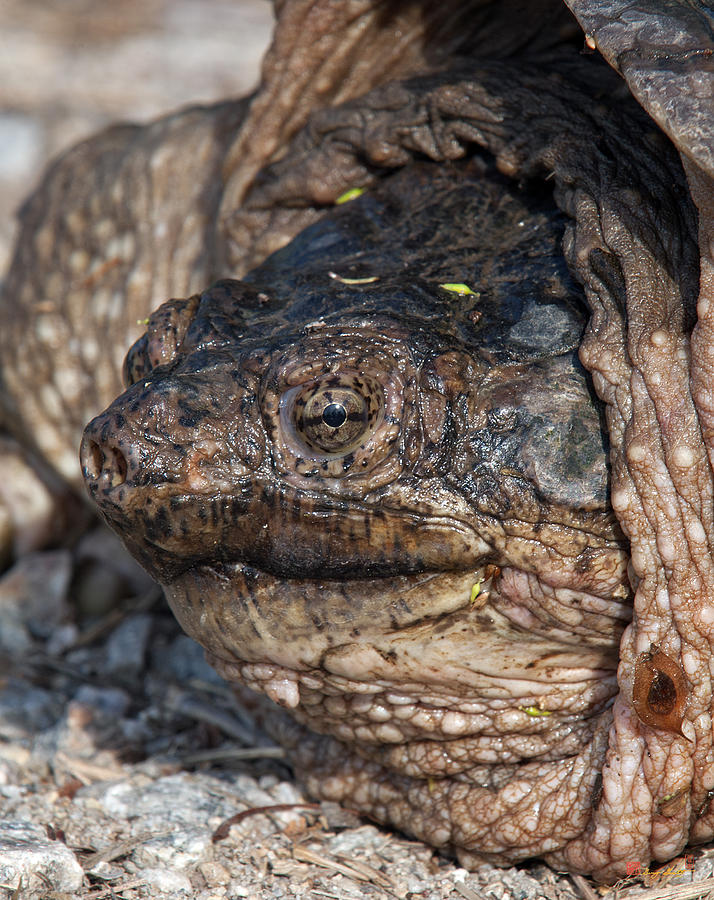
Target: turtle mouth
x: 257, y: 616
x: 406, y: 659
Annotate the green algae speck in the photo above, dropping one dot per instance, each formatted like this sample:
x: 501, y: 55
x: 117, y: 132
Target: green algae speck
x: 349, y: 195
x: 458, y: 288
x: 534, y: 711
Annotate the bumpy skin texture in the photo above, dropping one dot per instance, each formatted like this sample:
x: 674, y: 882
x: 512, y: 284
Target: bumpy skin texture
x: 423, y: 728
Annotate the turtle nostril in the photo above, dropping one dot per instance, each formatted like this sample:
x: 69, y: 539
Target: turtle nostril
x: 118, y: 471
x: 93, y: 460
x: 104, y: 464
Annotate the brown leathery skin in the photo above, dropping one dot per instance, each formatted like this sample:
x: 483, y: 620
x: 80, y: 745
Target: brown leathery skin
x: 627, y: 786
x: 165, y: 446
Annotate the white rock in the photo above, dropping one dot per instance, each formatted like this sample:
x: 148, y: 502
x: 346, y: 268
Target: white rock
x: 28, y: 859
x: 167, y: 881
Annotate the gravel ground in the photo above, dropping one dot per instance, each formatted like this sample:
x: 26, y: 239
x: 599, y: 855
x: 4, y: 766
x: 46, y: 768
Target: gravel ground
x: 128, y: 769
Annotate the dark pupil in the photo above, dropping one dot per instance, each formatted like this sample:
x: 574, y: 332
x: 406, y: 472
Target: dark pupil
x: 334, y: 415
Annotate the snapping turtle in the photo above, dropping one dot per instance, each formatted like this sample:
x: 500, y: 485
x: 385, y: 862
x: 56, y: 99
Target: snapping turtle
x: 380, y: 497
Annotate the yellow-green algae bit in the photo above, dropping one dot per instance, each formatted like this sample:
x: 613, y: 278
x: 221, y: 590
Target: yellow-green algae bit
x: 370, y: 279
x: 458, y: 288
x: 535, y: 711
x: 475, y: 591
x: 349, y: 195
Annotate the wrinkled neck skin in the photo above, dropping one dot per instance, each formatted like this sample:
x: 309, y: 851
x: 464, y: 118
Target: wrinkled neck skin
x: 597, y: 783
x: 660, y: 413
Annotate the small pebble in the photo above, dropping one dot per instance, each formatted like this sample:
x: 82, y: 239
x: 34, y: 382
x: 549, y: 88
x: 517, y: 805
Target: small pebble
x: 33, y: 599
x: 185, y: 660
x: 126, y: 648
x: 167, y: 880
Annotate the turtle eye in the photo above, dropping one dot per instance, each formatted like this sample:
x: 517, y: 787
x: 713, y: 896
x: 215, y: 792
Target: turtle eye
x: 335, y: 424
x: 331, y: 419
